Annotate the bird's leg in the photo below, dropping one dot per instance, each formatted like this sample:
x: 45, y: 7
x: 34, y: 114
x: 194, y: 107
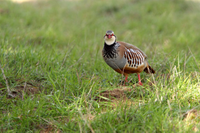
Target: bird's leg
x: 126, y: 79
x: 140, y: 83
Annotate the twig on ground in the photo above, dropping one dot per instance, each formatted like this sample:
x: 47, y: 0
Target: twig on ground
x: 8, y: 88
x: 48, y: 122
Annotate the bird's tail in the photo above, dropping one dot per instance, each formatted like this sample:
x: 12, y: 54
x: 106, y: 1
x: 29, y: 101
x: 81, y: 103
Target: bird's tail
x: 148, y: 69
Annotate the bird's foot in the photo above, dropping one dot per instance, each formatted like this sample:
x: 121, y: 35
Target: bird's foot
x: 140, y: 83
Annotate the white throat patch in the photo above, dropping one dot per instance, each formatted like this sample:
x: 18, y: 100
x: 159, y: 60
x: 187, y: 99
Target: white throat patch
x: 109, y: 41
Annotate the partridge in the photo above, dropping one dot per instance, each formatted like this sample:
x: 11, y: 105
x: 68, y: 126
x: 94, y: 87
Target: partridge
x: 124, y: 58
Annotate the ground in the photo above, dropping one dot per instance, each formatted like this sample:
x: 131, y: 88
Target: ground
x: 53, y: 77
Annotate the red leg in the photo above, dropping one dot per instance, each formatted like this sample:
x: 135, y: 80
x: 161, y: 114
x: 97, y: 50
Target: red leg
x: 140, y: 83
x: 126, y: 80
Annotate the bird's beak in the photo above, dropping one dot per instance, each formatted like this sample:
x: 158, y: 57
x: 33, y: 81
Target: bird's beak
x: 109, y: 36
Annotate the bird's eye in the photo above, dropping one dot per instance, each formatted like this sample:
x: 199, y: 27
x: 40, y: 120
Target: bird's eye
x: 106, y: 34
x: 112, y: 34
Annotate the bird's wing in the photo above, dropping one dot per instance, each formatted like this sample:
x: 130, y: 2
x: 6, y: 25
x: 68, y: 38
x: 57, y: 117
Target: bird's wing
x: 135, y: 57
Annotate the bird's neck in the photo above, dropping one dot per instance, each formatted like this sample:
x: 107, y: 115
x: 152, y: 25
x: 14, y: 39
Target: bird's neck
x: 110, y: 51
x: 109, y: 47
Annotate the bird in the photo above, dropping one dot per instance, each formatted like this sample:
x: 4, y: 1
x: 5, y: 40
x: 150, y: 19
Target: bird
x: 124, y: 58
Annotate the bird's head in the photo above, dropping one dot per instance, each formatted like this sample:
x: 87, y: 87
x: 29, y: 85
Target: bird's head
x: 110, y: 38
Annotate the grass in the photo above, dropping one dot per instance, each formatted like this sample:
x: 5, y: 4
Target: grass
x: 50, y: 52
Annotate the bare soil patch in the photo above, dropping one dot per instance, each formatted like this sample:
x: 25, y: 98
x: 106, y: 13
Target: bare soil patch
x: 118, y: 94
x: 21, y: 89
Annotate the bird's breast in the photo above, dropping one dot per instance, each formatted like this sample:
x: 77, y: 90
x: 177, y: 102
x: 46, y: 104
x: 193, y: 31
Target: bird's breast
x: 116, y: 63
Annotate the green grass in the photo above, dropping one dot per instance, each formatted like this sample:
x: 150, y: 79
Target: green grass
x: 51, y: 56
